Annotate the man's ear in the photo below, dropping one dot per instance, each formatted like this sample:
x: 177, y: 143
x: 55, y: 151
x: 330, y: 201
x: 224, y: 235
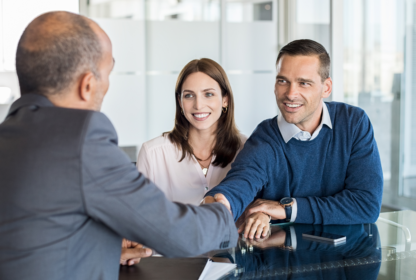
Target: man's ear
x: 87, y: 87
x: 327, y: 88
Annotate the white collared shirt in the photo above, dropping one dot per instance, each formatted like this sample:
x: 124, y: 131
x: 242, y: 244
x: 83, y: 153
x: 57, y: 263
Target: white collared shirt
x: 290, y: 130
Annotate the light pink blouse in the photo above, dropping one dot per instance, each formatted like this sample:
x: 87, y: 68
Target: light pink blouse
x: 181, y: 181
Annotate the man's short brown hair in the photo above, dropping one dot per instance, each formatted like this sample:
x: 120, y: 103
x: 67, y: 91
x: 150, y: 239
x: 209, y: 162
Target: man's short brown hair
x: 308, y: 47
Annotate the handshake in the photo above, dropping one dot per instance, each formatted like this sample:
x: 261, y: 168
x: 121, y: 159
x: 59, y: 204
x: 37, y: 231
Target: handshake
x: 219, y: 197
x: 255, y: 221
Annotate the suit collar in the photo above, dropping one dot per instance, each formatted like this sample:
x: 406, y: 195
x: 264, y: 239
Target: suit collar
x: 30, y: 99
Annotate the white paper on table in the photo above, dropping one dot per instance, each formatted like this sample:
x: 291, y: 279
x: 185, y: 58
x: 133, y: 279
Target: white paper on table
x: 214, y: 270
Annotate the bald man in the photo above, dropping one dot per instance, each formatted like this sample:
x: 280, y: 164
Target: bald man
x: 67, y: 193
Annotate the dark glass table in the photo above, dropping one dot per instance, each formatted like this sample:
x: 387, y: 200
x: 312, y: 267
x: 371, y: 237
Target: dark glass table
x: 383, y: 250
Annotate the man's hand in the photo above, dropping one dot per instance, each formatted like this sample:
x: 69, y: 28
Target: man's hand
x: 272, y: 208
x: 277, y: 238
x: 132, y: 252
x: 218, y: 198
x: 256, y: 225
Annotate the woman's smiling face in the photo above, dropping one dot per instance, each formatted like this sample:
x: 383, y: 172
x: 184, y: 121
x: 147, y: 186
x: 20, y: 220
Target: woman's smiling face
x: 201, y: 101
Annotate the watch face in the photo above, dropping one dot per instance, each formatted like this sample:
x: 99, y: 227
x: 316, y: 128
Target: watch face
x: 286, y: 200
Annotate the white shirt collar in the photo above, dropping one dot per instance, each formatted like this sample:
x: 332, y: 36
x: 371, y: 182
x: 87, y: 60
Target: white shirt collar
x: 289, y: 130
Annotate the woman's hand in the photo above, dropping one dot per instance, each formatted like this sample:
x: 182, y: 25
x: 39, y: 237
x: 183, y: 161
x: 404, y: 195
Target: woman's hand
x: 132, y: 252
x: 255, y: 225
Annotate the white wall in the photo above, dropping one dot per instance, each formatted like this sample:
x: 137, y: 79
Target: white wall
x: 170, y: 45
x: 251, y: 51
x: 15, y: 15
x: 125, y: 102
x: 142, y: 108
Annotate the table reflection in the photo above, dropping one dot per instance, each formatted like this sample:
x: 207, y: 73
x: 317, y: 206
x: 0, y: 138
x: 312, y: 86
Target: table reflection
x: 285, y: 254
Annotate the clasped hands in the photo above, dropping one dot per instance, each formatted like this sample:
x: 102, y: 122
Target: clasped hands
x: 255, y: 221
x: 132, y: 252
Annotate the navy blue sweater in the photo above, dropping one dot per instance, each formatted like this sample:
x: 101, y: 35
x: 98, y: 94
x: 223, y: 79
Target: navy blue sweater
x: 336, y: 178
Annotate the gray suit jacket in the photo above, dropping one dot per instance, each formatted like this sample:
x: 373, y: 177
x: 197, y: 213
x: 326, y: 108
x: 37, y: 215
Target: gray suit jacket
x: 68, y: 195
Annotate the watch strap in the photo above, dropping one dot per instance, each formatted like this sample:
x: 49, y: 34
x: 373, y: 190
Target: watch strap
x: 288, y: 240
x: 288, y: 210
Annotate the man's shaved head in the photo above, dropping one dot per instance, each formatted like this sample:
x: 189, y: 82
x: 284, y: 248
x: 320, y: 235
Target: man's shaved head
x: 55, y: 50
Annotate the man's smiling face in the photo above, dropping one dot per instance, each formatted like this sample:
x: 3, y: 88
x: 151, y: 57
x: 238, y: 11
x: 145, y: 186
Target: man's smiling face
x: 299, y: 90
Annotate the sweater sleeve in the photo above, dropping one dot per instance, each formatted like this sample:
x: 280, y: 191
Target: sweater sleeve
x: 360, y: 200
x: 249, y: 172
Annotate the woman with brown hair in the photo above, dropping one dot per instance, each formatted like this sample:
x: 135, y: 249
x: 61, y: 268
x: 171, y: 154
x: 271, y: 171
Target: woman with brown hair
x: 197, y: 154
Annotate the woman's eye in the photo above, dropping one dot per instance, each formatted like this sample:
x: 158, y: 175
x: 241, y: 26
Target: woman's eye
x: 209, y: 94
x: 189, y: 95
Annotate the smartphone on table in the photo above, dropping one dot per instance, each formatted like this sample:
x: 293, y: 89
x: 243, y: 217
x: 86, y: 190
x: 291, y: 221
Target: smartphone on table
x: 325, y: 237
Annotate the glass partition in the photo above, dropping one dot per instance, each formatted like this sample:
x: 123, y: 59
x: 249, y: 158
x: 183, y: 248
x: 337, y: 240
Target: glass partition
x: 313, y: 21
x: 408, y: 105
x: 176, y: 33
x: 378, y: 77
x: 249, y: 55
x: 153, y: 40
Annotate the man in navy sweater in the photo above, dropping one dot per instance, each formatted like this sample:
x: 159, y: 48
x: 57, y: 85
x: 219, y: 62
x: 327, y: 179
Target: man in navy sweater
x: 315, y: 163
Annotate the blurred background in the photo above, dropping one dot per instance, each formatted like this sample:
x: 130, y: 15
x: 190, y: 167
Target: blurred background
x: 372, y: 44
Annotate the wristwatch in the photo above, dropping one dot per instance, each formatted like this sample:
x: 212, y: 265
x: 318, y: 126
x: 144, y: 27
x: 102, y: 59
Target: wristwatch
x: 287, y: 203
x: 287, y: 245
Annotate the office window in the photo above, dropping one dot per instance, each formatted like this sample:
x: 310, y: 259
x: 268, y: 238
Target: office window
x: 249, y: 51
x: 379, y: 67
x: 313, y: 21
x: 247, y: 11
x: 407, y: 87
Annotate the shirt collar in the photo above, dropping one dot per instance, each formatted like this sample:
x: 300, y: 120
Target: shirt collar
x: 288, y: 130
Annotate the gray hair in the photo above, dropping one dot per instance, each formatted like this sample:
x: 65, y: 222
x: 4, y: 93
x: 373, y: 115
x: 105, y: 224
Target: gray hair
x: 54, y: 50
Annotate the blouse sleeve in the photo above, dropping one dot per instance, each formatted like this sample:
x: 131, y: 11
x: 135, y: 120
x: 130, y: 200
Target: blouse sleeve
x: 143, y: 163
x: 243, y: 139
x: 147, y: 160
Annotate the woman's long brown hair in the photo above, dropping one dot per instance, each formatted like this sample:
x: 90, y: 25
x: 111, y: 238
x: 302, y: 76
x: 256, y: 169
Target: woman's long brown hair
x: 228, y: 140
